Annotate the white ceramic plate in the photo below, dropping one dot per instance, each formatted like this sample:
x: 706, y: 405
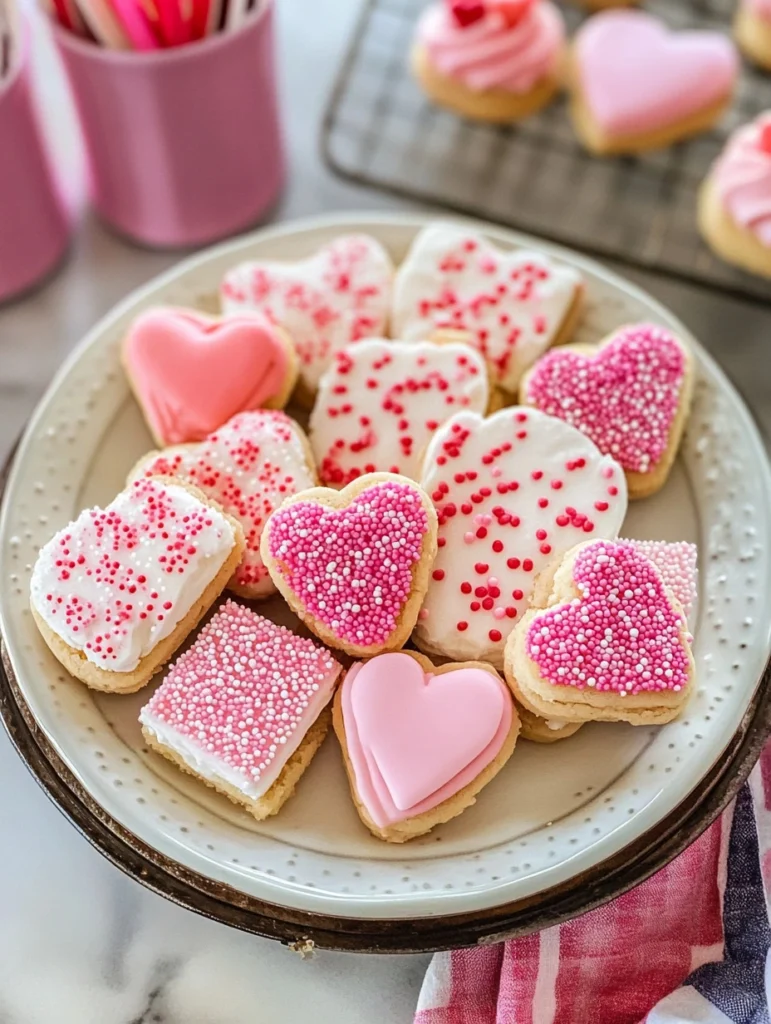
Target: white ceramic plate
x: 554, y: 811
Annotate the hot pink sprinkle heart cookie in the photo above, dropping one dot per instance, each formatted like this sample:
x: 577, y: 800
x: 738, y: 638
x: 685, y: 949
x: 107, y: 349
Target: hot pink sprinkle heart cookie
x: 631, y: 395
x: 514, y: 305
x: 191, y: 372
x: 381, y: 401
x: 243, y: 709
x: 420, y: 742
x: 249, y: 466
x: 605, y: 640
x: 511, y: 492
x: 622, y: 105
x: 354, y: 564
x: 116, y: 592
x: 335, y: 297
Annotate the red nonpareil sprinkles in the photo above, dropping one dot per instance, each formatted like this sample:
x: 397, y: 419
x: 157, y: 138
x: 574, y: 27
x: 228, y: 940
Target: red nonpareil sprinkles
x: 352, y: 568
x: 512, y: 304
x: 380, y: 402
x: 244, y: 694
x: 117, y: 580
x: 249, y: 466
x: 621, y: 636
x: 330, y: 300
x: 625, y: 398
x: 502, y: 519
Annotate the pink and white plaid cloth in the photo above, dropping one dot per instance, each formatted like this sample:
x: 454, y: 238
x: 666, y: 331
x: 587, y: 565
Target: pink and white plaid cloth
x: 689, y: 945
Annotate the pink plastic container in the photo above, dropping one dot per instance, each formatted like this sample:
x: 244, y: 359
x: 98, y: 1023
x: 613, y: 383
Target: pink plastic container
x: 34, y: 224
x: 184, y: 144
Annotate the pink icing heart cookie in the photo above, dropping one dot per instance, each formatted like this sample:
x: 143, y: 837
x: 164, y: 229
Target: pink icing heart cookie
x: 354, y: 564
x: 380, y: 402
x: 605, y: 640
x: 191, y: 372
x: 511, y: 492
x: 513, y: 304
x: 116, y: 592
x: 631, y: 395
x: 248, y: 466
x: 639, y: 86
x: 243, y: 709
x: 338, y: 296
x: 420, y: 741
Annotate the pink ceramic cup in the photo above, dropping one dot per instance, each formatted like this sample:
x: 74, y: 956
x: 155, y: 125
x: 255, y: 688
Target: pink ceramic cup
x: 34, y: 224
x: 184, y: 144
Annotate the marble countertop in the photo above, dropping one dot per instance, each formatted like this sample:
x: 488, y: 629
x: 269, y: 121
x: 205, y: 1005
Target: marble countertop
x: 80, y: 943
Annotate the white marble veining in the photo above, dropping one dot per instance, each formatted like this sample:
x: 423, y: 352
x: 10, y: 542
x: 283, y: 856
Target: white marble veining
x: 80, y: 943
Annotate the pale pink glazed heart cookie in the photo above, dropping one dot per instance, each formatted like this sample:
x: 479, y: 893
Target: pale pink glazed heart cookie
x: 511, y: 492
x: 381, y: 401
x: 354, y: 564
x: 420, y: 742
x: 191, y: 372
x: 338, y: 296
x: 116, y: 592
x: 638, y: 86
x: 514, y: 304
x: 248, y: 466
x: 243, y: 709
x: 604, y: 641
x: 631, y: 395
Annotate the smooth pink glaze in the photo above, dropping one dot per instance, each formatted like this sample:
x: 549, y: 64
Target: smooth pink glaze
x: 742, y: 178
x: 636, y: 76
x: 192, y: 372
x: 416, y: 739
x: 491, y: 54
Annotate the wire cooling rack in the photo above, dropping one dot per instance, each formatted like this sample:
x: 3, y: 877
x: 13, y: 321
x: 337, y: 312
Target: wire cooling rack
x: 380, y: 130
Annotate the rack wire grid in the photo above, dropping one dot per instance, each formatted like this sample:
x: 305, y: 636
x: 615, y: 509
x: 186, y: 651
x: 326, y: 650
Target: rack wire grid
x: 379, y: 129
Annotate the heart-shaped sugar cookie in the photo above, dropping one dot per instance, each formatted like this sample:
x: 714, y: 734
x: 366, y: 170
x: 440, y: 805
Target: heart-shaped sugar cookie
x: 354, y: 564
x: 380, y: 403
x: 335, y: 297
x: 606, y: 640
x: 630, y: 395
x: 191, y: 372
x: 513, y: 304
x: 634, y: 78
x: 511, y: 492
x: 249, y: 467
x: 419, y: 741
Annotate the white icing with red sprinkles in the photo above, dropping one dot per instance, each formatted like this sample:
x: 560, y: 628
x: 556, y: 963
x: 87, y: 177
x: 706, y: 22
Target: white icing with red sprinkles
x: 237, y: 704
x: 338, y: 296
x: 512, y: 303
x: 352, y: 568
x: 625, y: 397
x: 622, y: 636
x: 676, y: 561
x: 381, y: 401
x: 249, y: 466
x: 118, y: 580
x: 512, y: 492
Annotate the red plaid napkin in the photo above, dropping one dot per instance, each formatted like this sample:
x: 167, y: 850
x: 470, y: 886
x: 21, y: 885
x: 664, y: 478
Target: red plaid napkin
x: 688, y: 945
